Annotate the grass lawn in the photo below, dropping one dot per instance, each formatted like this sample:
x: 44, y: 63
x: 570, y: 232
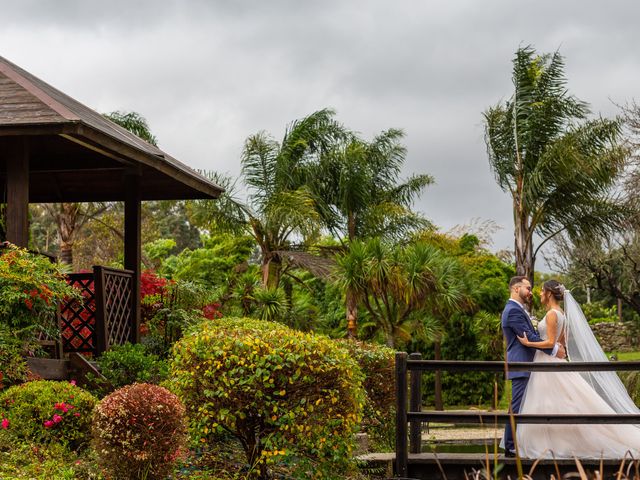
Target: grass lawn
x: 625, y: 356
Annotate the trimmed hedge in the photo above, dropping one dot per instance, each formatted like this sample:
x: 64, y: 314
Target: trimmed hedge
x: 290, y: 398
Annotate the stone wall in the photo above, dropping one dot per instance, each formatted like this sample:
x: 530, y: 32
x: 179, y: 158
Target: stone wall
x: 617, y: 336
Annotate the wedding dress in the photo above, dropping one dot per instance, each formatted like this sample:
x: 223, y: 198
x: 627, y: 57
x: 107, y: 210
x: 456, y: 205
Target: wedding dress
x: 576, y: 393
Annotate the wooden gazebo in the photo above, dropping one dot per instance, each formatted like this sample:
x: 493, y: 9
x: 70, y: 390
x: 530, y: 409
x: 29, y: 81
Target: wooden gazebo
x: 53, y: 149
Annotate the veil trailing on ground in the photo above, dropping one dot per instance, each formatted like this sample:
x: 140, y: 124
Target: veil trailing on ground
x: 582, y: 346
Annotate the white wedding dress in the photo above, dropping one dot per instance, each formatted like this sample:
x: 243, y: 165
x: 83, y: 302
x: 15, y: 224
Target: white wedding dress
x: 572, y: 393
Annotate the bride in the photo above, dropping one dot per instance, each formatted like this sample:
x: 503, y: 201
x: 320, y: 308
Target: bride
x: 573, y: 392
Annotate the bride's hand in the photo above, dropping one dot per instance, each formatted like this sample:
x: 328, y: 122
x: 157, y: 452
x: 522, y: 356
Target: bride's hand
x: 523, y: 339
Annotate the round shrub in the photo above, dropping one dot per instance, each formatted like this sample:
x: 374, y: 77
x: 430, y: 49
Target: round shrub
x: 46, y: 411
x: 378, y: 366
x: 139, y: 431
x: 291, y: 398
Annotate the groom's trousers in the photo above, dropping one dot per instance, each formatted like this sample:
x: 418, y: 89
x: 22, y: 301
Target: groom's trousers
x: 518, y: 386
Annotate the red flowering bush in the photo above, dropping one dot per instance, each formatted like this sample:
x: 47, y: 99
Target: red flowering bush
x: 139, y: 431
x: 46, y: 411
x: 30, y: 288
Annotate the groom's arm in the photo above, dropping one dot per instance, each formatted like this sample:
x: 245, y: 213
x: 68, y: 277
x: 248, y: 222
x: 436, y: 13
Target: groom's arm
x: 520, y: 324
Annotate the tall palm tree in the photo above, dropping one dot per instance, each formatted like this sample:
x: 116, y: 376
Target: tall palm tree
x: 360, y: 194
x: 280, y: 208
x: 558, y: 166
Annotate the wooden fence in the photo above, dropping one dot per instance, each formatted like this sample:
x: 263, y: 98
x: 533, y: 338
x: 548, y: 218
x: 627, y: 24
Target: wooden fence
x: 409, y: 414
x: 104, y: 317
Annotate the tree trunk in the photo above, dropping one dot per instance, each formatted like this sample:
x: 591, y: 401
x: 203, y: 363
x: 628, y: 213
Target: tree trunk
x: 271, y: 270
x: 350, y: 300
x: 352, y: 315
x: 523, y: 244
x: 67, y: 219
x: 438, y: 379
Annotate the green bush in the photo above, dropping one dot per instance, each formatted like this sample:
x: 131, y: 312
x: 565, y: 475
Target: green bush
x: 30, y: 289
x: 130, y: 363
x: 139, y: 431
x: 290, y: 397
x: 13, y: 367
x: 48, y: 412
x: 377, y: 363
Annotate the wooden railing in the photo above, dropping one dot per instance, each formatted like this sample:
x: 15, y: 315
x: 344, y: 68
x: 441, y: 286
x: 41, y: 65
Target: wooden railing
x: 409, y: 414
x: 105, y: 315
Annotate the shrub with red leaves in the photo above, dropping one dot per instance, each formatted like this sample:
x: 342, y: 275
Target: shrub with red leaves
x: 139, y: 431
x: 151, y: 284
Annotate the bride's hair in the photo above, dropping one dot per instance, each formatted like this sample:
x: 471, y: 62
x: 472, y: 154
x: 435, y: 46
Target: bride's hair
x: 556, y: 289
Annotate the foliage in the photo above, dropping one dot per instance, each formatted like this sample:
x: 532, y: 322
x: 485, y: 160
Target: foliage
x: 26, y: 461
x: 610, y: 266
x: 130, y: 363
x: 30, y: 289
x: 358, y: 188
x: 13, y: 367
x: 281, y: 206
x: 133, y: 122
x: 559, y: 166
x: 271, y: 303
x: 214, y: 263
x: 171, y: 307
x: 399, y: 284
x: 465, y: 389
x: 46, y: 412
x: 139, y: 431
x: 288, y: 396
x: 596, y: 312
x: 377, y: 363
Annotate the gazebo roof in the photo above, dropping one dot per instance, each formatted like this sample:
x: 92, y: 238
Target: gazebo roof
x: 77, y: 155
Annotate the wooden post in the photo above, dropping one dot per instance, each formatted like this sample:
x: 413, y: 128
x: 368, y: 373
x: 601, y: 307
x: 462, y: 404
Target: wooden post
x: 132, y: 245
x: 17, y: 159
x: 101, y: 331
x: 402, y: 454
x: 415, y: 405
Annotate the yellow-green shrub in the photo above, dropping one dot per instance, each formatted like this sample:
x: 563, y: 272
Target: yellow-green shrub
x: 289, y: 397
x: 378, y: 366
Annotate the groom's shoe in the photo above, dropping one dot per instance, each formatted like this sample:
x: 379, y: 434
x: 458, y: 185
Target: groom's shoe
x: 509, y: 453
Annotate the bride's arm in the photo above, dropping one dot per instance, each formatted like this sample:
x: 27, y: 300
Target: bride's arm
x: 552, y: 333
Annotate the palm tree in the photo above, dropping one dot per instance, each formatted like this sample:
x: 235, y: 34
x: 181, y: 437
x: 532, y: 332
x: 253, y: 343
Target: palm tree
x: 280, y: 208
x: 400, y: 286
x: 558, y: 166
x: 360, y: 195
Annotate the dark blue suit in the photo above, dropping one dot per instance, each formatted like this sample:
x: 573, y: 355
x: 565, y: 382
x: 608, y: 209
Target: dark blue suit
x: 515, y: 322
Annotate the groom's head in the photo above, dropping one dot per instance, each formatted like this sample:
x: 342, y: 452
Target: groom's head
x: 520, y: 289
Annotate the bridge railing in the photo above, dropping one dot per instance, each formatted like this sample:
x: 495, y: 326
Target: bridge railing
x: 409, y: 414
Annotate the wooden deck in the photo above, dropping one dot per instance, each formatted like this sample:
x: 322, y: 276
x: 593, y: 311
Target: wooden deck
x: 457, y: 466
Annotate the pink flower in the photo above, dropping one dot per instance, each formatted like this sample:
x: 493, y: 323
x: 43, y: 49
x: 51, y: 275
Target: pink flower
x: 5, y: 423
x: 62, y: 406
x: 57, y: 418
x: 76, y: 414
x: 72, y: 382
x: 48, y: 424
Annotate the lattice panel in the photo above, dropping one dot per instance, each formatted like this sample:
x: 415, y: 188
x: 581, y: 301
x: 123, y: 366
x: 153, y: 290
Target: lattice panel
x: 78, y: 318
x: 118, y: 307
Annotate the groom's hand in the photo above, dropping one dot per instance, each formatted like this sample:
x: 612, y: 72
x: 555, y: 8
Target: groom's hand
x: 561, y: 353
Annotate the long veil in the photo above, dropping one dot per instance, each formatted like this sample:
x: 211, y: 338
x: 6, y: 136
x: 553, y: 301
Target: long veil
x: 582, y: 346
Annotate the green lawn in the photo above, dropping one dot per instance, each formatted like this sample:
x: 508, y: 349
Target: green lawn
x: 622, y: 356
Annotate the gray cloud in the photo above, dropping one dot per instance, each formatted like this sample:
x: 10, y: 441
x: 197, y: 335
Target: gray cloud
x: 208, y: 73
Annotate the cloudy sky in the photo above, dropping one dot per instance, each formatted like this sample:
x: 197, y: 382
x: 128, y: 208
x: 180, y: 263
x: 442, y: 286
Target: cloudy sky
x: 208, y: 73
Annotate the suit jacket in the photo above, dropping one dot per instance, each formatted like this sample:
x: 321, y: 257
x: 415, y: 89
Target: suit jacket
x: 515, y: 321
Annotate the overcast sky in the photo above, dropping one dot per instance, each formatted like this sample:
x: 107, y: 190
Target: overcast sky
x: 206, y: 74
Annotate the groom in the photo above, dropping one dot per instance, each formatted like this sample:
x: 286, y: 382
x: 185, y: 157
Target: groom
x: 515, y: 322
